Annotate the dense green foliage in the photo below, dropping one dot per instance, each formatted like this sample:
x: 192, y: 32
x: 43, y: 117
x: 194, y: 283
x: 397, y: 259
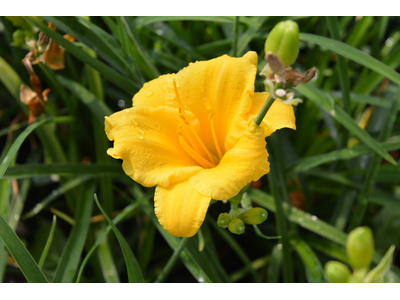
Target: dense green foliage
x: 337, y: 171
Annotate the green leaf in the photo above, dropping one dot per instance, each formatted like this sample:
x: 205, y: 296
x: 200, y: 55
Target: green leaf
x: 126, y: 84
x: 20, y: 254
x: 308, y: 163
x: 95, y: 38
x: 187, y: 257
x: 129, y: 29
x: 354, y: 54
x: 319, y: 98
x: 48, y: 242
x: 143, y: 21
x: 18, y: 142
x: 300, y: 217
x: 312, y: 265
x: 65, y: 187
x: 134, y: 271
x: 68, y: 264
x: 121, y: 216
x: 246, y: 37
x: 377, y: 273
x: 32, y: 170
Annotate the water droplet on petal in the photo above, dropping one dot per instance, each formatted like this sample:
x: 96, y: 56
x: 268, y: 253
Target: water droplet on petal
x: 127, y: 111
x: 139, y: 136
x: 145, y: 85
x: 149, y: 93
x: 134, y: 122
x: 207, y: 103
x: 164, y: 86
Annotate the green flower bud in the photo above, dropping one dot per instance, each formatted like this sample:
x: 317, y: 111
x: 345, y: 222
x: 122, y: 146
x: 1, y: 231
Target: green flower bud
x: 223, y: 220
x: 336, y: 272
x: 254, y: 216
x: 236, y: 226
x: 360, y: 247
x: 18, y: 38
x: 283, y: 41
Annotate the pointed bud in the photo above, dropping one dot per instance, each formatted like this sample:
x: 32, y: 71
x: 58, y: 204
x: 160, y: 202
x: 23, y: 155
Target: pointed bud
x: 236, y: 226
x: 254, y: 216
x: 223, y: 220
x: 283, y: 41
x: 360, y: 247
x: 336, y: 272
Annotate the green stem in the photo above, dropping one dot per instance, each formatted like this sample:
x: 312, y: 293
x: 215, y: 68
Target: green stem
x: 48, y: 243
x: 235, y: 35
x: 264, y: 110
x: 171, y: 262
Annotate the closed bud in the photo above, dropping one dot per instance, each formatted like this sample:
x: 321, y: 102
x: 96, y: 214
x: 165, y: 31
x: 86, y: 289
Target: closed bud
x: 223, y: 220
x: 283, y: 41
x: 360, y: 247
x: 236, y: 226
x: 18, y: 38
x: 336, y: 272
x: 254, y: 216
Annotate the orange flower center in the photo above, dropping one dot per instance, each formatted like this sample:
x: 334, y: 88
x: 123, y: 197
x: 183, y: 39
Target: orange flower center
x: 191, y: 141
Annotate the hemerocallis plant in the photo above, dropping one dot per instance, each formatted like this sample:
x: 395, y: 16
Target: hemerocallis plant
x: 192, y: 135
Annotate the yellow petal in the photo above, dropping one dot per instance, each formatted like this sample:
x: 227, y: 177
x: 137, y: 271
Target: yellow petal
x: 180, y: 209
x: 222, y: 86
x: 247, y: 161
x: 146, y: 139
x: 280, y: 115
x: 153, y: 92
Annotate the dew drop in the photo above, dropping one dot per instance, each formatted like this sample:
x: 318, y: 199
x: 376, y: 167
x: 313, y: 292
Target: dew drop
x: 134, y: 122
x: 127, y: 111
x: 5, y: 159
x: 145, y: 85
x: 121, y: 103
x: 207, y: 103
x: 164, y: 86
x: 141, y: 131
x: 314, y: 218
x: 16, y: 217
x: 128, y: 170
x: 149, y: 93
x: 37, y: 208
x: 139, y: 136
x: 279, y: 246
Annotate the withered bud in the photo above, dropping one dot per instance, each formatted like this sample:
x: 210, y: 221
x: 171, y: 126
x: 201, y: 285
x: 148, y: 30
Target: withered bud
x: 43, y: 41
x: 275, y: 63
x: 309, y: 75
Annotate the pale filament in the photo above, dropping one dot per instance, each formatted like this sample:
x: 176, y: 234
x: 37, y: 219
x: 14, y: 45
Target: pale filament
x: 214, y: 135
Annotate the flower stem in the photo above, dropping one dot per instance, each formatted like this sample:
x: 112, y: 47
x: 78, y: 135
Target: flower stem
x: 171, y: 262
x: 264, y: 110
x: 235, y: 35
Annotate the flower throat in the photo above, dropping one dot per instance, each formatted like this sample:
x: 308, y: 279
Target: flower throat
x: 191, y: 141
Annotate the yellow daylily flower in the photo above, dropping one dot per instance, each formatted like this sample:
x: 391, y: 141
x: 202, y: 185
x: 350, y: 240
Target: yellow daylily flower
x: 192, y: 135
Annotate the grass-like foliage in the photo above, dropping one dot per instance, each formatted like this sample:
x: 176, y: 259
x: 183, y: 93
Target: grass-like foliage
x: 338, y: 171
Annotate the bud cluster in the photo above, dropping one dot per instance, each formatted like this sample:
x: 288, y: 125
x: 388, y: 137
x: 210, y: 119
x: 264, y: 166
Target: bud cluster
x: 359, y: 250
x: 236, y: 222
x: 282, y: 49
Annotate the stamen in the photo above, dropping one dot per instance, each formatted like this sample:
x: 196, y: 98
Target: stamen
x: 197, y: 157
x: 181, y: 110
x: 214, y: 135
x: 182, y: 114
